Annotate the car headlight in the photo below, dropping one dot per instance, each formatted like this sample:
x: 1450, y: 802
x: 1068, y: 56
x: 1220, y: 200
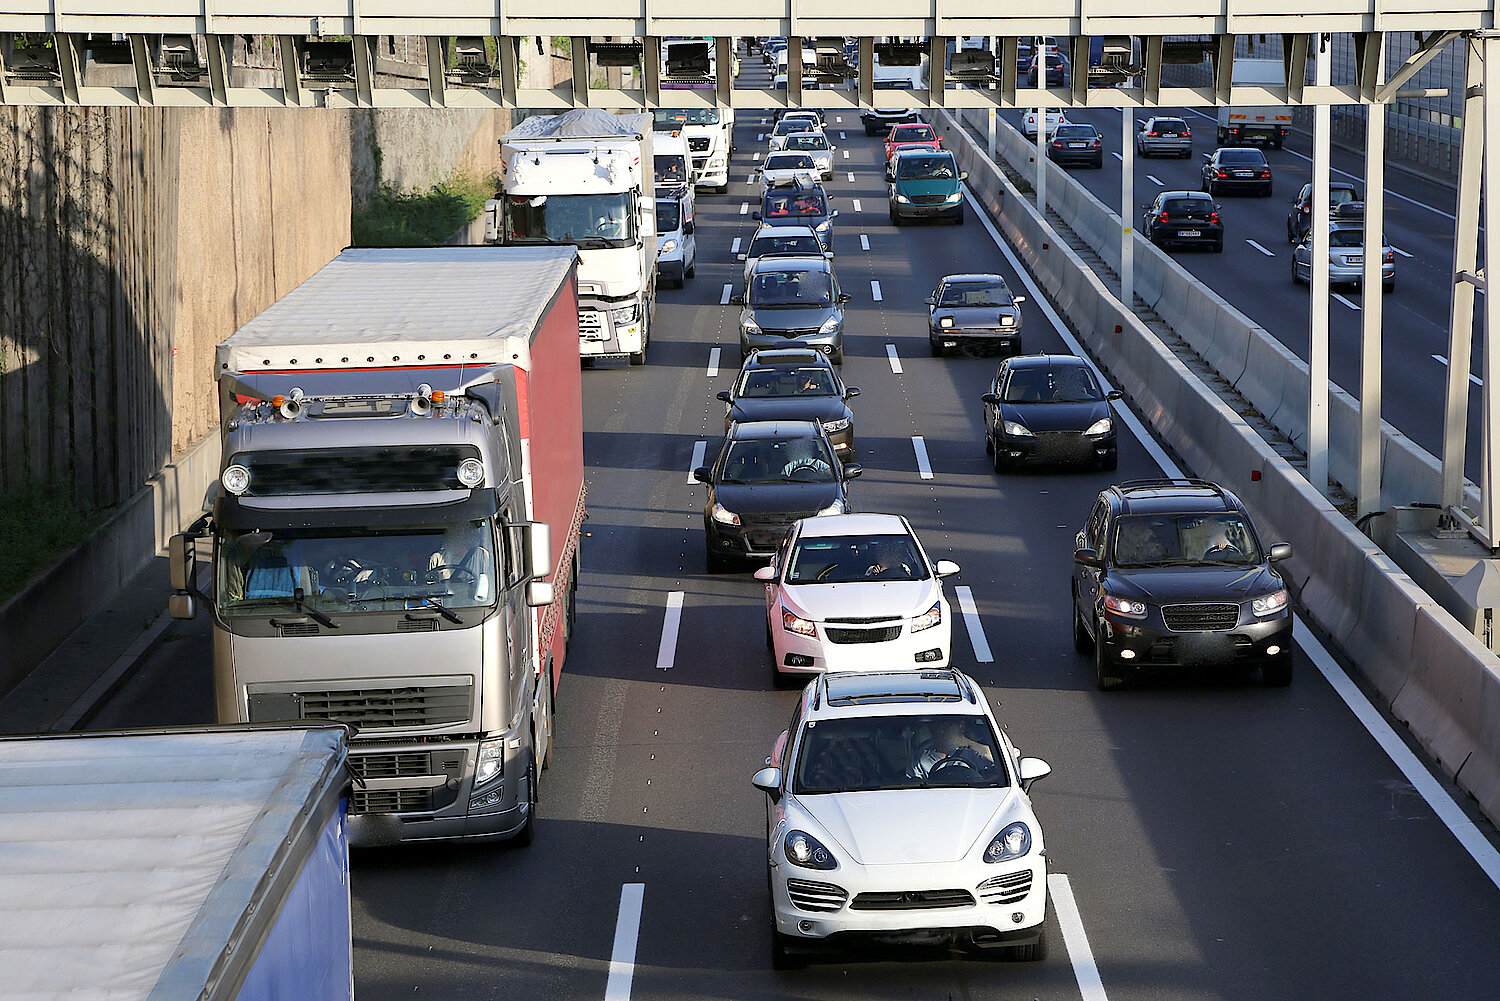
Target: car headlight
x: 1269, y: 604
x: 1102, y: 426
x: 1018, y: 430
x: 933, y: 616
x: 957, y: 196
x: 1126, y: 607
x: 807, y: 851
x: 668, y: 247
x: 749, y: 326
x: 833, y: 426
x: 1007, y: 320
x: 820, y: 227
x: 794, y: 623
x: 491, y: 764
x: 1011, y: 843
x: 723, y: 515
x: 837, y: 507
x: 831, y: 324
x: 902, y: 199
x: 945, y: 322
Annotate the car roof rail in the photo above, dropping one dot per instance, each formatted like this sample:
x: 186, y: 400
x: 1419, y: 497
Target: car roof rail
x: 1157, y: 482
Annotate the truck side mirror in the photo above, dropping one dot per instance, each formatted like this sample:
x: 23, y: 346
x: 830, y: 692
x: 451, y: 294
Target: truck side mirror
x: 539, y: 593
x: 182, y: 554
x: 539, y: 550
x: 492, y: 221
x: 182, y: 606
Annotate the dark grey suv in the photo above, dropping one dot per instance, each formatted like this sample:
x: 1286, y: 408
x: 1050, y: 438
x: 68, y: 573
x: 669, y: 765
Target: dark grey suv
x: 1170, y: 573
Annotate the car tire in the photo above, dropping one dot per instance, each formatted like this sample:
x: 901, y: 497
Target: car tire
x: 936, y: 346
x: 1107, y: 677
x: 714, y: 562
x: 782, y: 957
x: 958, y: 218
x: 1296, y: 278
x: 1082, y: 641
x: 989, y: 444
x: 1276, y: 672
x: 638, y: 357
x: 1033, y: 952
x: 895, y: 219
x: 722, y: 189
x: 1266, y: 193
x: 769, y: 645
x: 1389, y: 286
x: 1110, y: 463
x: 837, y: 357
x: 692, y: 271
x: 1000, y: 463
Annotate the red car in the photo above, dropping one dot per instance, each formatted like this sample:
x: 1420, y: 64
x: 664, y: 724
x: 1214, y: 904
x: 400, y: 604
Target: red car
x: 910, y: 135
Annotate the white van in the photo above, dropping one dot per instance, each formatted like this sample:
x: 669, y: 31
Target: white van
x: 676, y: 246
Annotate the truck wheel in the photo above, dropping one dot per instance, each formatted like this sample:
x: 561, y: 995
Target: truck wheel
x: 638, y: 357
x: 527, y: 834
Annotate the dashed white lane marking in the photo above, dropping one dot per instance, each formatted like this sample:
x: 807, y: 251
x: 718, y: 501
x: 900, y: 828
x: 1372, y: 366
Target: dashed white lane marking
x: 924, y: 466
x: 838, y: 119
x: 627, y: 933
x: 700, y: 449
x: 1400, y: 251
x: 724, y: 298
x: 844, y: 153
x: 1085, y: 970
x: 1444, y: 362
x: 757, y: 154
x: 1156, y: 180
x: 667, y: 652
x: 977, y: 638
x: 1352, y: 305
x: 736, y: 248
x: 744, y: 207
x: 713, y: 365
x: 851, y: 175
x: 1258, y: 247
x: 857, y: 206
x: 760, y: 138
x: 843, y: 135
x: 875, y: 291
x: 864, y: 242
x: 749, y: 178
x: 893, y: 358
x: 1118, y: 156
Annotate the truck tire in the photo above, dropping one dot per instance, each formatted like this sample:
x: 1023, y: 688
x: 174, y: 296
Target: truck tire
x: 527, y: 834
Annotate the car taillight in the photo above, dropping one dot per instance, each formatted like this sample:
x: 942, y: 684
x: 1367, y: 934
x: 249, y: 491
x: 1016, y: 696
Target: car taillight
x: 1221, y: 173
x: 1151, y: 134
x: 1164, y: 217
x: 1057, y: 143
x: 1213, y: 217
x: 1098, y: 143
x: 1266, y: 172
x: 1390, y: 255
x: 1186, y: 133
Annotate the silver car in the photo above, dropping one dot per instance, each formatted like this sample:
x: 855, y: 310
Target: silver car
x: 974, y: 311
x: 1164, y: 137
x: 1346, y: 257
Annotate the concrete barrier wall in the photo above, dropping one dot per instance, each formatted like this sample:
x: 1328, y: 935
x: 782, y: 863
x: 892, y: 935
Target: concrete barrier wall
x: 1437, y: 676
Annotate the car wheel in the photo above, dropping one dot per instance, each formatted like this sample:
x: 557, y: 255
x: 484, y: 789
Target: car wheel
x: 1082, y: 641
x: 1001, y: 463
x: 837, y: 357
x: 989, y: 444
x: 1266, y: 193
x: 936, y: 346
x: 782, y: 957
x: 769, y: 645
x: 714, y: 562
x: 1107, y: 676
x: 1390, y: 286
x: 895, y: 219
x: 1277, y: 671
x: 692, y: 271
x: 638, y: 357
x: 958, y: 218
x: 1110, y: 462
x: 1296, y: 278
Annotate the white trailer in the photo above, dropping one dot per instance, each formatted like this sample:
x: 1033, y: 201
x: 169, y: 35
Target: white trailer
x: 1239, y: 126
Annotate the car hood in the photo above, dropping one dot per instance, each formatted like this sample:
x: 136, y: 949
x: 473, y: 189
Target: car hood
x: 1055, y: 416
x: 973, y: 316
x: 933, y: 186
x: 911, y: 825
x: 789, y: 408
x: 777, y: 498
x: 865, y: 599
x: 1169, y: 584
x: 795, y: 318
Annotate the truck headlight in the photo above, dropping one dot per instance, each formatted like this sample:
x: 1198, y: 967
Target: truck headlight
x: 1013, y: 842
x: 1018, y: 430
x: 932, y: 617
x: 723, y: 515
x: 1102, y: 426
x: 716, y: 164
x: 1269, y: 604
x: 626, y: 315
x: 491, y: 763
x: 236, y: 479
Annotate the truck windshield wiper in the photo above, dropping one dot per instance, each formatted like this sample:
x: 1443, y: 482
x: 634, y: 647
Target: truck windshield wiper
x: 300, y: 600
x: 443, y: 610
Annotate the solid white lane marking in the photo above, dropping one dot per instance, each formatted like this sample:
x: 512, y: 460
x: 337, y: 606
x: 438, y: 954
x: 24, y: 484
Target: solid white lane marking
x: 700, y: 448
x: 667, y: 652
x: 1258, y: 247
x: 1119, y: 157
x: 627, y: 933
x: 893, y: 358
x: 1442, y: 803
x: 744, y: 207
x: 976, y: 628
x: 924, y: 466
x: 1075, y: 939
x: 1444, y: 362
x: 857, y: 206
x: 864, y: 242
x: 1156, y: 180
x: 1401, y: 252
x: 875, y: 290
x: 713, y: 364
x: 1352, y: 305
x: 736, y: 248
x: 851, y: 175
x: 724, y: 298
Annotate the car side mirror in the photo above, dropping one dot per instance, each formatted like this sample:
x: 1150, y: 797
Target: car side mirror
x: 738, y: 300
x: 539, y: 550
x: 845, y: 297
x: 827, y: 255
x: 850, y: 392
x: 1281, y: 551
x: 853, y: 471
x: 703, y: 474
x: 991, y: 399
x: 1031, y: 769
x: 834, y: 214
x: 1017, y: 300
x: 765, y: 573
x: 687, y: 228
x: 963, y: 175
x: 1207, y: 157
x: 1114, y: 394
x: 945, y: 568
x: 182, y: 606
x: 722, y: 395
x: 755, y: 216
x: 1088, y: 558
x: 768, y: 781
x: 931, y: 300
x: 741, y: 257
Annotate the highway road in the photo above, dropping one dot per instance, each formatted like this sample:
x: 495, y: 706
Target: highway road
x: 1254, y: 271
x: 1208, y: 838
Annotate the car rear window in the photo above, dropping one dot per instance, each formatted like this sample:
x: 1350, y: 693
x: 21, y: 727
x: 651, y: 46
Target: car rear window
x: 1170, y: 125
x: 1186, y: 205
x: 1075, y: 132
x: 790, y: 204
x: 1252, y: 156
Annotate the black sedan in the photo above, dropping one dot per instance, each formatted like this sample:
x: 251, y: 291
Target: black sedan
x: 1048, y: 409
x: 976, y: 312
x: 1176, y: 217
x: 1077, y: 144
x: 1236, y: 168
x: 781, y: 384
x: 767, y: 475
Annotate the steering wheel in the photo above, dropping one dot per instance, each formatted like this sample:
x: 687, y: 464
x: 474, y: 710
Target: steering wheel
x: 431, y: 576
x: 344, y: 571
x: 830, y: 568
x: 808, y: 465
x: 951, y: 761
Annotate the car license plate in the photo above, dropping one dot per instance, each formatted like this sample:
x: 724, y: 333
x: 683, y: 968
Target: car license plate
x: 1243, y: 173
x: 1169, y: 135
x: 1189, y: 232
x: 1077, y: 145
x: 1356, y: 258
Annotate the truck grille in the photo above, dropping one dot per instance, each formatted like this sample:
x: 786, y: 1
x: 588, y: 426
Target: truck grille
x: 698, y: 144
x: 1009, y: 889
x: 591, y: 325
x: 885, y: 635
x: 390, y: 801
x: 1200, y: 618
x: 369, y: 708
x: 401, y: 764
x: 810, y: 896
x: 912, y: 900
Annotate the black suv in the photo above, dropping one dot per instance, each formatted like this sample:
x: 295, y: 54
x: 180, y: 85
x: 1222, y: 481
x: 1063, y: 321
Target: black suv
x: 779, y: 384
x: 1299, y: 216
x: 1169, y: 572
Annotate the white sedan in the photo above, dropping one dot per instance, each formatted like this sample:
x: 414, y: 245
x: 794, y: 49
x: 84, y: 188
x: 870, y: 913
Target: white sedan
x: 789, y: 126
x: 899, y: 811
x: 846, y: 592
x: 787, y: 168
x: 1054, y: 119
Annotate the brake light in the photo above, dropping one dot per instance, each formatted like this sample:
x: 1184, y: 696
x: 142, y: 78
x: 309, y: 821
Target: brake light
x: 1185, y: 133
x: 1164, y: 216
x: 1098, y: 143
x: 1213, y: 217
x: 1221, y: 172
x: 1390, y: 255
x: 1266, y: 172
x: 1152, y: 134
x: 1057, y: 143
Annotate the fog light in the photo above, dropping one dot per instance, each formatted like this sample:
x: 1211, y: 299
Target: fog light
x: 471, y: 472
x: 1127, y: 655
x: 927, y: 656
x: 798, y: 660
x: 1272, y: 650
x: 487, y: 800
x: 804, y: 925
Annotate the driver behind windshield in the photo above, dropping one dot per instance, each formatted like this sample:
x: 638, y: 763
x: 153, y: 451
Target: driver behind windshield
x: 955, y: 747
x: 803, y: 459
x: 975, y: 294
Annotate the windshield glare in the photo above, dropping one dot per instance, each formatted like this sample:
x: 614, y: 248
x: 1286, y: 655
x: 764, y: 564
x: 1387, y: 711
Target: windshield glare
x: 1073, y: 384
x: 785, y: 245
x: 670, y: 118
x: 976, y: 294
x: 791, y: 288
x: 1185, y: 539
x: 781, y: 204
x: 845, y: 559
x: 778, y: 460
x: 864, y: 754
x: 789, y: 161
x: 357, y: 570
x: 601, y: 220
x: 772, y: 382
x: 925, y: 168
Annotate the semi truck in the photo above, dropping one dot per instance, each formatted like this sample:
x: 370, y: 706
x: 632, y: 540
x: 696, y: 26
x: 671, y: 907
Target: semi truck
x: 206, y: 863
x: 1239, y: 125
x: 583, y: 179
x: 402, y: 447
x: 710, y: 139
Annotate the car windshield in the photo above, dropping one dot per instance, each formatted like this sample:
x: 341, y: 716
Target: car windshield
x: 1175, y: 205
x: 772, y: 244
x: 358, y: 570
x: 807, y: 140
x: 844, y: 559
x: 911, y: 133
x: 925, y: 168
x: 765, y: 383
x: 669, y: 168
x: 671, y: 118
x: 776, y: 289
x: 601, y: 220
x: 1195, y: 539
x: 1075, y: 132
x: 1243, y: 157
x: 778, y: 460
x: 790, y: 204
x: 668, y: 215
x: 869, y: 753
x: 980, y: 294
x: 789, y: 161
x: 1065, y: 384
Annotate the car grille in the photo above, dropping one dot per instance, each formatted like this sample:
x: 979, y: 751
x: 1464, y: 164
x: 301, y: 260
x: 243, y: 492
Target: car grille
x: 810, y: 896
x: 762, y: 538
x: 1008, y: 889
x: 373, y: 708
x: 794, y: 332
x: 698, y: 144
x: 390, y: 801
x: 912, y: 900
x: 861, y: 619
x: 1164, y: 650
x: 1063, y: 446
x: 1200, y: 618
x: 401, y: 764
x: 928, y: 199
x: 836, y: 635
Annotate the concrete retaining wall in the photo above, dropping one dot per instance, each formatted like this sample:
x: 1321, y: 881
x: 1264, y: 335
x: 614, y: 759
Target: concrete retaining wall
x: 1437, y: 677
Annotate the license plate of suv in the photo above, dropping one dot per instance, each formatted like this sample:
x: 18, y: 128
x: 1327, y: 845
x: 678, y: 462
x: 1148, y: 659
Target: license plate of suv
x: 1190, y: 232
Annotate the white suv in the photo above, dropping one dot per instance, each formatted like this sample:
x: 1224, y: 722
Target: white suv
x: 898, y: 810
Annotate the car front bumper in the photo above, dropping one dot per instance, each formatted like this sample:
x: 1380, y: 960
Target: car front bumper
x: 917, y: 210
x: 799, y: 654
x: 829, y: 344
x: 672, y: 270
x: 1148, y: 643
x: 958, y: 337
x: 1060, y: 447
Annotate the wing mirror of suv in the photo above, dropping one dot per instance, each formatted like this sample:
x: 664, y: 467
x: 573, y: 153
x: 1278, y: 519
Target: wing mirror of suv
x: 931, y: 300
x: 963, y: 175
x: 755, y: 216
x: 765, y: 573
x: 740, y: 257
x: 945, y: 568
x: 1114, y: 394
x: 1207, y: 157
x: 853, y: 470
x: 1088, y: 558
x: 834, y: 214
x: 703, y: 474
x: 768, y: 781
x: 1031, y: 769
x: 1018, y: 299
x: 1281, y: 551
x: 724, y: 395
x: 687, y: 228
x: 738, y: 300
x: 845, y: 297
x: 827, y: 255
x: 991, y: 399
x: 850, y: 392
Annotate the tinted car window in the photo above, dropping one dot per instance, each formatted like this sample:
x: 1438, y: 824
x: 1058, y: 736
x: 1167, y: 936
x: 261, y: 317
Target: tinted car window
x: 777, y: 460
x: 1170, y: 125
x: 668, y: 214
x: 1070, y: 384
x: 1184, y: 539
x: 863, y: 754
x: 975, y: 294
x: 790, y: 204
x: 773, y: 382
x: 845, y: 559
x: 1347, y: 238
x: 911, y: 133
x: 789, y: 161
x: 925, y: 168
x: 1075, y: 132
x: 791, y: 288
x: 1250, y: 156
x: 1186, y: 205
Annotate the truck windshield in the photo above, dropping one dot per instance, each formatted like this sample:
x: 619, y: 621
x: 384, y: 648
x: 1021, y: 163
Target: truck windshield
x: 356, y: 570
x: 672, y: 118
x: 602, y: 220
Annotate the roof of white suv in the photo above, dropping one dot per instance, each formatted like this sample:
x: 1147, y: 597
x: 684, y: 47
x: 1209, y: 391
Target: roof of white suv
x: 828, y: 525
x: 894, y: 693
